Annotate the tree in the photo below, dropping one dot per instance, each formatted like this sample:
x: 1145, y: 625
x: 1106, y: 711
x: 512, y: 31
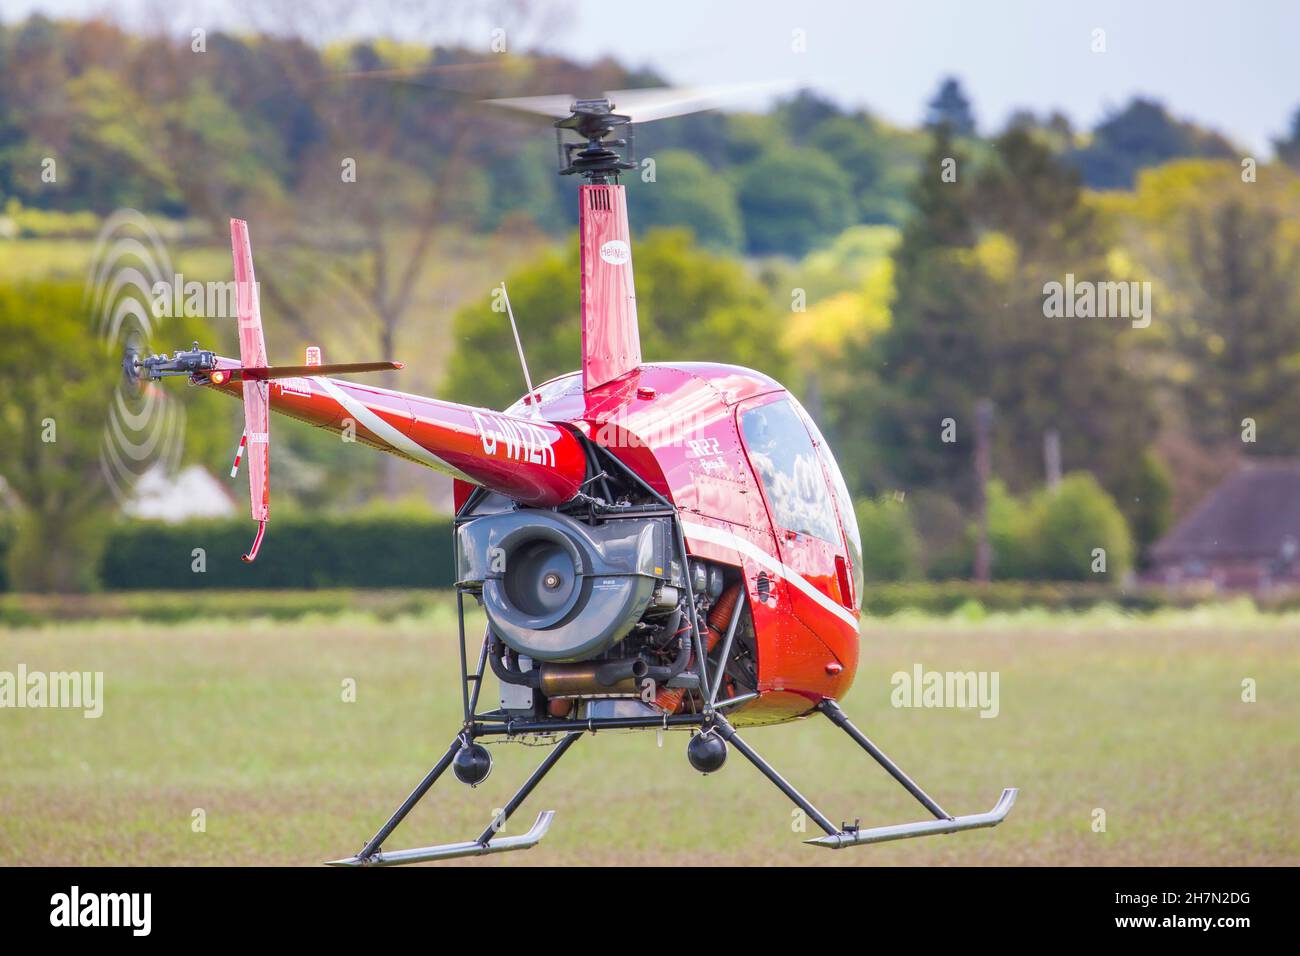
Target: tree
x: 54, y: 380
x: 1247, y: 334
x: 1142, y: 134
x: 1077, y: 526
x: 950, y: 108
x: 903, y: 385
x: 941, y: 203
x: 1245, y: 338
x: 891, y: 550
x: 1146, y: 499
x: 880, y: 162
x: 685, y: 192
x: 804, y: 112
x: 1288, y: 149
x: 1030, y: 195
x: 1059, y: 534
x: 968, y: 324
x: 1071, y: 376
x: 1226, y: 255
x: 793, y: 199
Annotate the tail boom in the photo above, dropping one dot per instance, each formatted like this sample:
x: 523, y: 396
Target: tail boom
x: 529, y: 460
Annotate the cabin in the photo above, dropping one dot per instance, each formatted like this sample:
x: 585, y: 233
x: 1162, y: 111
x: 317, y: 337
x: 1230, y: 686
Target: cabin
x: 1244, y: 536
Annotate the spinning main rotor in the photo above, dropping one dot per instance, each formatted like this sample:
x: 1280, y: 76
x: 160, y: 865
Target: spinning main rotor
x: 596, y: 156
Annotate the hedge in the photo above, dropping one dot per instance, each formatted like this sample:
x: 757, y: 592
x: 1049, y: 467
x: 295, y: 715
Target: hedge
x: 298, y: 552
x: 175, y: 607
x: 947, y: 597
x: 6, y: 536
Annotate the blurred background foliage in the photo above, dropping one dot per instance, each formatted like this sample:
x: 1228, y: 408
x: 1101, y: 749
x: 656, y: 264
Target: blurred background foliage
x: 817, y: 243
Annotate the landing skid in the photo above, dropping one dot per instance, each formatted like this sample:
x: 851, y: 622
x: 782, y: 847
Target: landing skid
x: 372, y: 854
x: 448, y: 851
x: 844, y: 836
x: 489, y: 843
x: 711, y: 719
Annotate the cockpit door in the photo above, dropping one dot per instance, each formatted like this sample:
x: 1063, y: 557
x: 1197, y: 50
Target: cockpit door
x: 804, y: 515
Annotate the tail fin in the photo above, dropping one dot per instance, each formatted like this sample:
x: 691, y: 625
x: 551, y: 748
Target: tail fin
x: 611, y: 342
x: 257, y: 394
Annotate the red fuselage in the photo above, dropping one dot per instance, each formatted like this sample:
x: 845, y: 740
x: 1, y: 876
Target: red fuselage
x: 680, y: 427
x: 755, y: 486
x: 687, y: 430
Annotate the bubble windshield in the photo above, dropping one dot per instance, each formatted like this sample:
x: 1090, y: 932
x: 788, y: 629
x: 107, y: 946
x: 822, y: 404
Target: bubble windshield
x: 791, y: 472
x: 843, y: 502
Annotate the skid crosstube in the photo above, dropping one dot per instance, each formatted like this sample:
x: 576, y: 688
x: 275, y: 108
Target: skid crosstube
x: 839, y: 837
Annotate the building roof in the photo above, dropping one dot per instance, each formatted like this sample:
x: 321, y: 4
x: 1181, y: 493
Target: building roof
x: 1254, y: 513
x: 192, y: 492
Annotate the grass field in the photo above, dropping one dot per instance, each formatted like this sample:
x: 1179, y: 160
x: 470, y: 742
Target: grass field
x: 1142, y: 719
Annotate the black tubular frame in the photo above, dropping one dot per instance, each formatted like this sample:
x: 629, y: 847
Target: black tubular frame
x: 499, y: 724
x: 833, y: 712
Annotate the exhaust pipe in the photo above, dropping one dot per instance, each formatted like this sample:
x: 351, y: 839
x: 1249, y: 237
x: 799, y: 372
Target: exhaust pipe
x: 596, y: 677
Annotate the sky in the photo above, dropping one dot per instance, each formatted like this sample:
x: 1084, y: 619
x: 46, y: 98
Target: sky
x: 1232, y: 67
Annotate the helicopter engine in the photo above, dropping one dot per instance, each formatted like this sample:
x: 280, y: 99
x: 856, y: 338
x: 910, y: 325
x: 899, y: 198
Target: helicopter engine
x: 578, y: 609
x: 558, y: 589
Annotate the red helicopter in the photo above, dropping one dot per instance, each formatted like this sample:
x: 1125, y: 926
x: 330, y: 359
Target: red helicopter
x: 662, y: 545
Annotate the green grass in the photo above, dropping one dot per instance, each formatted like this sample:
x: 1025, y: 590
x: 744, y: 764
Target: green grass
x: 245, y: 720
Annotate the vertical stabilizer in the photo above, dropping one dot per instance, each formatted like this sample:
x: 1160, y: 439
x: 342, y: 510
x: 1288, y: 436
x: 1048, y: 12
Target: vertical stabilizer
x: 257, y: 394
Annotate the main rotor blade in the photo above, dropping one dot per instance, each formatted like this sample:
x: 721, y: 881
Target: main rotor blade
x: 645, y: 105
x: 656, y: 103
x: 554, y: 106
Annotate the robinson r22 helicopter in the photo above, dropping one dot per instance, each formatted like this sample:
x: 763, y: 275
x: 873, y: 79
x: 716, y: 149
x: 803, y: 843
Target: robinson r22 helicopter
x: 663, y: 545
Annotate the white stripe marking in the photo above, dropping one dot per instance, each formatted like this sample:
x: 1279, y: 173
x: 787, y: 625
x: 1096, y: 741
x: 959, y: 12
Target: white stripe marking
x: 381, y: 429
x: 751, y: 550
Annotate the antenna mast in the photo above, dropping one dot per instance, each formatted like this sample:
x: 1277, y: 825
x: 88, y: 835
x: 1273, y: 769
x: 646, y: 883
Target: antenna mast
x: 528, y: 379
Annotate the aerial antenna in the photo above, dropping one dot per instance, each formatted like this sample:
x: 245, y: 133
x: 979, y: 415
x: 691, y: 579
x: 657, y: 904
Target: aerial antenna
x: 528, y: 379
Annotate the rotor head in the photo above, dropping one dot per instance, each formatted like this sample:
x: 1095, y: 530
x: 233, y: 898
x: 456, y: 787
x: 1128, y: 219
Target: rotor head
x: 595, y: 120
